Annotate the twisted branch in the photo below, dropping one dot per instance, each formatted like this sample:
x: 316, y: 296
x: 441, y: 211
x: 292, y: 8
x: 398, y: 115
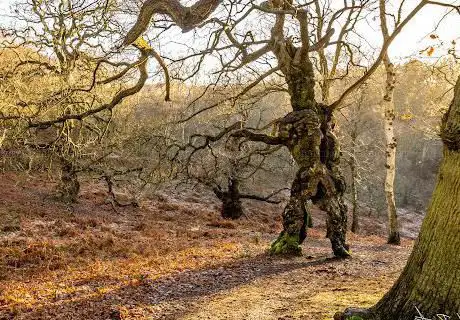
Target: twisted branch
x: 186, y: 18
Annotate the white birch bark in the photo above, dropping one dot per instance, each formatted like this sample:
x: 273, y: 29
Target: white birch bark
x: 390, y: 139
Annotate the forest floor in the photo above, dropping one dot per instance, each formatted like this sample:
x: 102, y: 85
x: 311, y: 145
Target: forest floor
x: 174, y: 258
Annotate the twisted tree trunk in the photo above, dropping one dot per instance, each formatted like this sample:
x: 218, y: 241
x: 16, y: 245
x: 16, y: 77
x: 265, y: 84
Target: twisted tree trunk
x: 307, y: 131
x: 431, y: 279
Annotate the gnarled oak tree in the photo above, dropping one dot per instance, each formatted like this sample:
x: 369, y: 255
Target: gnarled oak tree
x: 286, y: 51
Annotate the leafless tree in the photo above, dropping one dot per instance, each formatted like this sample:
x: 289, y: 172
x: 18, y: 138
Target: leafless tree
x: 64, y: 47
x: 286, y: 51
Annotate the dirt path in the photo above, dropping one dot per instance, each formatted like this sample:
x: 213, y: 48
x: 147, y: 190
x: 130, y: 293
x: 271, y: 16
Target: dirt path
x: 300, y: 288
x: 306, y: 288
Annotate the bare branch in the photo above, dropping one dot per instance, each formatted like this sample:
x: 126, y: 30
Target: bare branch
x: 186, y: 18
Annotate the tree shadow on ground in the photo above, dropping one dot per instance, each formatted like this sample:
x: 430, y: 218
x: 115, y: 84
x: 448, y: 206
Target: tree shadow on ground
x: 170, y: 296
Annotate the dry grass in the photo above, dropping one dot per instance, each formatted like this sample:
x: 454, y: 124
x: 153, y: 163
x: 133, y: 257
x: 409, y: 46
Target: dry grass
x: 50, y: 252
x: 222, y: 223
x: 88, y: 262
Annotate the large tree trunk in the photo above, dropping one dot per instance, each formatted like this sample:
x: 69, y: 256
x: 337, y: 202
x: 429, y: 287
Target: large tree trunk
x: 308, y: 133
x: 431, y: 279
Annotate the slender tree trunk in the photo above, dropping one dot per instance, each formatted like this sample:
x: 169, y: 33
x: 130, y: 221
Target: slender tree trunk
x: 390, y: 150
x: 354, y: 197
x: 354, y: 171
x: 309, y: 217
x: 3, y: 137
x: 431, y: 279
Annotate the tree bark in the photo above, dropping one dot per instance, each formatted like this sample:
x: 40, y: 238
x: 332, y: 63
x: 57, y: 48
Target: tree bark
x: 354, y: 197
x: 68, y: 187
x: 354, y: 171
x: 231, y: 200
x: 187, y: 18
x: 307, y: 131
x: 431, y: 279
x: 390, y: 150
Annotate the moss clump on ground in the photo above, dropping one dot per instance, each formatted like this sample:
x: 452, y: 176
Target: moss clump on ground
x: 354, y: 314
x: 286, y: 245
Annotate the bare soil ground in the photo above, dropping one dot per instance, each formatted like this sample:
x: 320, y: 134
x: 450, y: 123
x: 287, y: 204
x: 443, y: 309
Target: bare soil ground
x: 174, y: 258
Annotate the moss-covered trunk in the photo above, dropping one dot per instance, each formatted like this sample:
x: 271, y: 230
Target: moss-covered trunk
x: 308, y: 133
x: 431, y: 279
